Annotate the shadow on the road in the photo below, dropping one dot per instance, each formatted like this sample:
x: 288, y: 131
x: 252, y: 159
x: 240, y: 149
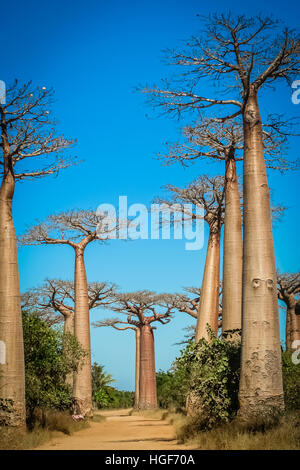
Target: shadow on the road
x: 154, y: 424
x: 154, y: 439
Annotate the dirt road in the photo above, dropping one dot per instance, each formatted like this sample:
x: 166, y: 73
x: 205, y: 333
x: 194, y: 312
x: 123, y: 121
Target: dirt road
x: 119, y: 431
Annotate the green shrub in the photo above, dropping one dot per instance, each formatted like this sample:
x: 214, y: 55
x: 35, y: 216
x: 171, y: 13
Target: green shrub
x: 49, y: 357
x: 105, y: 396
x: 208, y: 373
x: 214, y: 369
x: 172, y: 388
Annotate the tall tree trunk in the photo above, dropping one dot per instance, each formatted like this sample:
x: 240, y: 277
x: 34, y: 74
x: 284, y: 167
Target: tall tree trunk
x: 12, y: 375
x: 83, y: 378
x: 69, y: 329
x: 261, y: 392
x: 69, y: 323
x: 137, y: 366
x: 147, y: 398
x: 209, y: 299
x: 288, y: 342
x: 294, y: 327
x: 232, y: 252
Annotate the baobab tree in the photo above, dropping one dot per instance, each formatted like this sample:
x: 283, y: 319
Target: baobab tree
x: 58, y: 296
x: 223, y: 141
x: 207, y: 193
x: 27, y: 136
x: 115, y: 323
x: 76, y: 229
x: 288, y: 287
x: 143, y: 308
x: 231, y: 51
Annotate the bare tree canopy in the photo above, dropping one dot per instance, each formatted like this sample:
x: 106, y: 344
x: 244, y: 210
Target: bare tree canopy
x: 208, y: 138
x: 237, y: 52
x: 189, y: 302
x: 57, y: 295
x: 28, y: 132
x: 71, y: 228
x: 206, y: 192
x: 30, y: 303
x: 143, y: 307
x: 114, y: 323
x: 288, y: 284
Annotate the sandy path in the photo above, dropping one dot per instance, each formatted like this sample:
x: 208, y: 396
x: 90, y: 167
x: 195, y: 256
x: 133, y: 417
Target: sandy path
x: 119, y: 431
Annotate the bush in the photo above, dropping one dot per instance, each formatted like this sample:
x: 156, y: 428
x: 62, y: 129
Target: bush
x: 207, y: 375
x: 49, y: 357
x: 110, y: 397
x: 214, y: 369
x: 105, y: 396
x: 172, y: 388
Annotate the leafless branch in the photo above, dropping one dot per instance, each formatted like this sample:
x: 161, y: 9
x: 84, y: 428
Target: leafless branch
x: 288, y: 284
x: 234, y: 51
x: 57, y: 295
x: 28, y: 133
x: 205, y: 192
x: 208, y: 138
x: 144, y: 307
x: 74, y: 228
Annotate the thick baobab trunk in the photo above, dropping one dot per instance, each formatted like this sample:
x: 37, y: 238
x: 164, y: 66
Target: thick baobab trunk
x: 12, y: 376
x: 137, y: 366
x: 83, y: 378
x: 232, y: 253
x: 147, y: 398
x: 261, y: 392
x: 288, y: 330
x: 296, y: 331
x: 69, y: 323
x: 209, y: 299
x: 294, y: 327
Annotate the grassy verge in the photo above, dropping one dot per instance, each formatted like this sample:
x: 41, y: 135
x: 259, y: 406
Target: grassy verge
x: 53, y: 423
x: 284, y: 436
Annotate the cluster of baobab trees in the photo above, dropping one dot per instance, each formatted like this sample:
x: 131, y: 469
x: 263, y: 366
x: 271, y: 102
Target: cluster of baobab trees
x: 244, y: 56
x: 229, y: 52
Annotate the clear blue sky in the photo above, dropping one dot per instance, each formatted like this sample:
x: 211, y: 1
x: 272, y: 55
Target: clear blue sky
x: 94, y: 53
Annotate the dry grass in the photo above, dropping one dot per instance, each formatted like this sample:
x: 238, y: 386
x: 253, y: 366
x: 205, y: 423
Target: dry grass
x: 155, y: 414
x: 284, y: 436
x: 53, y: 424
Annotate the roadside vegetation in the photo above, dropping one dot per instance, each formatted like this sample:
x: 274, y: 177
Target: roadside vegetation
x: 199, y: 395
